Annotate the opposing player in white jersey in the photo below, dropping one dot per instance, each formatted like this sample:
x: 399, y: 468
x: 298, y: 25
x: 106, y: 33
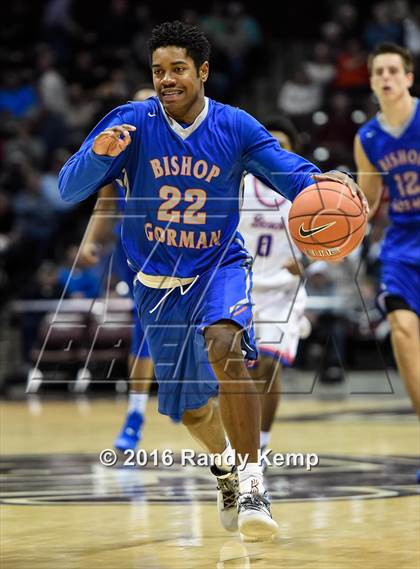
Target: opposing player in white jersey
x: 279, y: 297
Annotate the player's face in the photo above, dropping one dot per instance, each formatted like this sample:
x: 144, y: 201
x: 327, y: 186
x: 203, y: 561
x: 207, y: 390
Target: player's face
x: 178, y: 83
x: 283, y: 139
x: 388, y: 78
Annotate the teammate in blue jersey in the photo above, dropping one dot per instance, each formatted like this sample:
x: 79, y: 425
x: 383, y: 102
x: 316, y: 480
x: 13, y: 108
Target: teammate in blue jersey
x: 387, y: 153
x: 181, y: 158
x: 140, y: 366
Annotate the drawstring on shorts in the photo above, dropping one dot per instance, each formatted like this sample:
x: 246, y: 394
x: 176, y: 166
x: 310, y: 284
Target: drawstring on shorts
x: 170, y: 290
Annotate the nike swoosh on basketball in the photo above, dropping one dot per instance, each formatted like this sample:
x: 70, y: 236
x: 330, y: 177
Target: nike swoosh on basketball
x: 308, y: 232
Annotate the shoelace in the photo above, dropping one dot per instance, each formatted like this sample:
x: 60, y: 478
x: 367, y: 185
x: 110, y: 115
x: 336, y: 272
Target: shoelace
x: 229, y: 488
x: 170, y: 290
x: 256, y: 502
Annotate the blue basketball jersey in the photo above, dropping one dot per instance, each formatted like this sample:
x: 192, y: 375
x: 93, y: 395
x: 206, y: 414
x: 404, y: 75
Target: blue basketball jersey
x: 183, y: 185
x: 397, y: 158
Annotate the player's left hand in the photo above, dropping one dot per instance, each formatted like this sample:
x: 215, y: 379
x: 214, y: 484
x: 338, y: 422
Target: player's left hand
x: 345, y: 179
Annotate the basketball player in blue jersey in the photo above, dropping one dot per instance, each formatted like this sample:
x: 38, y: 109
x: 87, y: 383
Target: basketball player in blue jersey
x: 181, y: 158
x: 140, y: 366
x: 387, y: 153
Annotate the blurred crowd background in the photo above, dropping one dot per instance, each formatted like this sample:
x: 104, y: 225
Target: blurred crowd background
x: 66, y: 63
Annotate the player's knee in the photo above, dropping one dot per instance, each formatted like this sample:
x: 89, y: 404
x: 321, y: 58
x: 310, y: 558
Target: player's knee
x: 401, y: 328
x: 223, y: 341
x: 400, y: 334
x: 195, y: 417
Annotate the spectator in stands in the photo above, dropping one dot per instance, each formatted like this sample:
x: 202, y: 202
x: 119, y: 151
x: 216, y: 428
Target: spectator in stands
x: 49, y: 183
x: 116, y: 23
x: 35, y: 220
x: 243, y: 35
x: 299, y: 97
x: 320, y: 67
x: 235, y: 36
x: 6, y: 219
x: 80, y: 113
x: 7, y: 222
x: 339, y: 130
x: 29, y: 238
x: 52, y: 130
x: 59, y: 27
x: 346, y: 15
x: 352, y: 73
x: 411, y: 28
x: 85, y: 71
x: 215, y: 24
x: 382, y: 27
x: 24, y: 143
x: 17, y: 98
x: 144, y: 25
x: 330, y: 32
x: 51, y: 85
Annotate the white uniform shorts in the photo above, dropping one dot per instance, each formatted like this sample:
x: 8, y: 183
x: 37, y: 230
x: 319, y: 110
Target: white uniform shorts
x: 279, y: 322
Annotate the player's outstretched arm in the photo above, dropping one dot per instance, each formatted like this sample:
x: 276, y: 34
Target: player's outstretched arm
x: 101, y: 224
x: 368, y: 177
x: 283, y: 171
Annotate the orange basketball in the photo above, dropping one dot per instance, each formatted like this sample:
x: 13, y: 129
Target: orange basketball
x: 326, y: 221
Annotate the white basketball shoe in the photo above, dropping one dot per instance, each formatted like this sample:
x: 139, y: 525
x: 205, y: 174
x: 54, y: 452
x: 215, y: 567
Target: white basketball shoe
x: 254, y: 521
x: 227, y: 498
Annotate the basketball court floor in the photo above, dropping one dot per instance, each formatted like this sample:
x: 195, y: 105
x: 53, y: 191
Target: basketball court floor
x: 62, y: 509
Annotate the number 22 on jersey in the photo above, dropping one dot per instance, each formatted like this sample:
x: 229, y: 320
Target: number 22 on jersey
x: 172, y: 197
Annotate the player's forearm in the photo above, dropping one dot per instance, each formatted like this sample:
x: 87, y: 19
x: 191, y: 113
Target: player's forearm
x: 373, y: 206
x: 284, y: 171
x: 82, y: 175
x: 372, y: 193
x: 100, y: 229
x: 105, y: 214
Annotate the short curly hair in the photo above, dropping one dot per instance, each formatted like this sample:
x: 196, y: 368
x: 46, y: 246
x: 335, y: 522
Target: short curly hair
x: 179, y: 34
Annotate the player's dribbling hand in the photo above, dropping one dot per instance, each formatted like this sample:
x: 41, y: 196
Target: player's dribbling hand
x: 113, y: 140
x: 344, y: 178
